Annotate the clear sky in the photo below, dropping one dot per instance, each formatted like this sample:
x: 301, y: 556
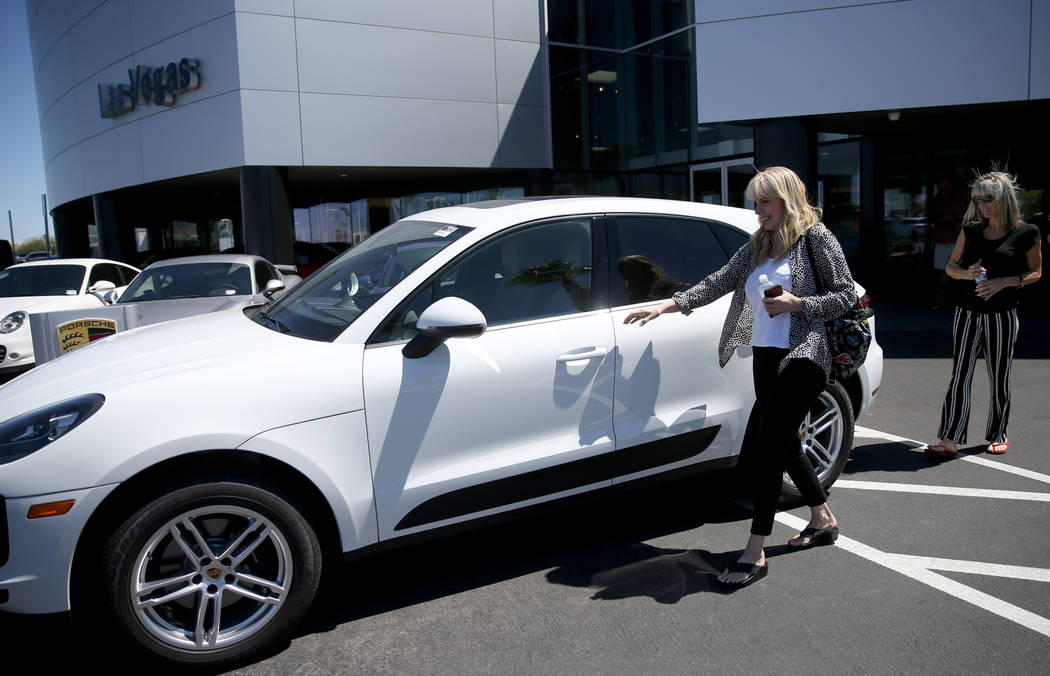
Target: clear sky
x: 21, y: 158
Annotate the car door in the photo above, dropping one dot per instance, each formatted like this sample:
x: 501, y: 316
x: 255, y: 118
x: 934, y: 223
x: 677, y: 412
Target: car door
x: 518, y: 415
x: 674, y: 406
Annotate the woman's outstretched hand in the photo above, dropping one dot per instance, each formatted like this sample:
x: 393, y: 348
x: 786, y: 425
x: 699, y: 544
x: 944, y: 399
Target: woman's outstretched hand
x: 647, y: 314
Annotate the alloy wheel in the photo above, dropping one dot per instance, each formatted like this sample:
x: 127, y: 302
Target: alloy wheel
x: 211, y: 577
x: 822, y: 433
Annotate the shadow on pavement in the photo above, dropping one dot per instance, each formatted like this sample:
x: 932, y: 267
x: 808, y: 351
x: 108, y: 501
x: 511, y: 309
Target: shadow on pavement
x: 898, y: 457
x: 601, y: 541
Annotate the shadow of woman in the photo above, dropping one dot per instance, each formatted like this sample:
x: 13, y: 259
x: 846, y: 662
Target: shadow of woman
x: 638, y: 569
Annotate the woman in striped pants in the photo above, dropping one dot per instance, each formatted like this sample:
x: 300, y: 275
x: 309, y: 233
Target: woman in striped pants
x: 1001, y: 254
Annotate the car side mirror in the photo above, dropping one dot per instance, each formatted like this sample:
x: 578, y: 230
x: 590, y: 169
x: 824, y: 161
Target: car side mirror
x: 110, y: 297
x: 447, y: 318
x: 272, y: 287
x: 101, y: 286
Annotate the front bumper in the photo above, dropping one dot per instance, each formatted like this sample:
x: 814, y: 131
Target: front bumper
x: 35, y: 577
x: 16, y: 350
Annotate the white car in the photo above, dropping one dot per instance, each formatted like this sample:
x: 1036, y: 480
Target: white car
x: 462, y: 363
x: 193, y: 285
x: 48, y: 285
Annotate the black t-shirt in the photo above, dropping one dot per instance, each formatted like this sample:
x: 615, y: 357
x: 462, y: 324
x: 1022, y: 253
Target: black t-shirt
x: 1003, y: 257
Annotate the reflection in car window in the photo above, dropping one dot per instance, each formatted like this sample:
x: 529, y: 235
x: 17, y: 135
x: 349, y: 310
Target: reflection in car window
x: 189, y: 280
x: 321, y: 307
x: 533, y: 273
x: 41, y: 280
x: 658, y: 255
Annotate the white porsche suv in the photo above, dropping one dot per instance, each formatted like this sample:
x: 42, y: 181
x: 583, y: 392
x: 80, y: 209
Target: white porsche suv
x: 462, y: 363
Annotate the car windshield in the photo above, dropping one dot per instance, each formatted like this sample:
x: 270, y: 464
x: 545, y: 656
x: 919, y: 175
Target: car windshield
x: 321, y: 307
x: 41, y: 280
x: 189, y: 280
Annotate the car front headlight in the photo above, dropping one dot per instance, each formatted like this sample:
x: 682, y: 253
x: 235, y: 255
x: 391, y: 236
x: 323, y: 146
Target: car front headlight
x: 12, y: 322
x: 32, y: 431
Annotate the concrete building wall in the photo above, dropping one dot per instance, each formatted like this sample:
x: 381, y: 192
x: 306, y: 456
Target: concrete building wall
x: 778, y: 58
x: 401, y: 83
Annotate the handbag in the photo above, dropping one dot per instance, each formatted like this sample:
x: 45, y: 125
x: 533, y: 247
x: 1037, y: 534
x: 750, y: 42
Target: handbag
x: 849, y: 335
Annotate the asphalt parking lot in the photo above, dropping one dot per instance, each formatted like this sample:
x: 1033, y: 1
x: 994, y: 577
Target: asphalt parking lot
x: 941, y: 568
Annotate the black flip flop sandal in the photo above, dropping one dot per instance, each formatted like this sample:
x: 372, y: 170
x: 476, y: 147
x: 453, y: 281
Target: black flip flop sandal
x: 817, y: 537
x: 754, y: 574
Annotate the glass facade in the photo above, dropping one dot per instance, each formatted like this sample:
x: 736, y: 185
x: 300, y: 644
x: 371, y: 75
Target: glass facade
x: 338, y: 222
x: 623, y: 100
x: 623, y: 96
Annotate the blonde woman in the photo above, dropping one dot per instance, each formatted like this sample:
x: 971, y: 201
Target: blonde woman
x: 997, y: 245
x: 791, y: 359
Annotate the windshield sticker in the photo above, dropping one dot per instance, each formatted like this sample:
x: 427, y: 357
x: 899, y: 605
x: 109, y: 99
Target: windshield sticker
x: 71, y: 292
x: 72, y: 335
x: 445, y: 231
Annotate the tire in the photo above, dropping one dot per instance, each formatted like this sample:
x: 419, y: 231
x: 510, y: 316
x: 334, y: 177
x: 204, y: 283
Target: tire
x: 235, y: 550
x: 827, y: 439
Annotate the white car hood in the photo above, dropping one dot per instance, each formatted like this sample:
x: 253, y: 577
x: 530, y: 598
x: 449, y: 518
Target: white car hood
x: 30, y: 304
x: 188, y: 369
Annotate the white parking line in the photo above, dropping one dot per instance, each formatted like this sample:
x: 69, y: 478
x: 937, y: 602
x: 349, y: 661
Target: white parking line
x: 915, y: 568
x: 942, y: 490
x: 869, y: 433
x: 976, y: 567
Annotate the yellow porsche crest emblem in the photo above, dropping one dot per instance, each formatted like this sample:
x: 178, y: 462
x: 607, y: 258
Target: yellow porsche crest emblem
x: 72, y: 335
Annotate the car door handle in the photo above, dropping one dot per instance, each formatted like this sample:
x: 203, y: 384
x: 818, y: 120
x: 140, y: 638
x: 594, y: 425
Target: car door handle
x: 589, y: 353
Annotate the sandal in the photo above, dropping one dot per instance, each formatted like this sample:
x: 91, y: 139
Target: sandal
x: 942, y: 451
x: 754, y: 574
x: 999, y: 447
x: 817, y: 537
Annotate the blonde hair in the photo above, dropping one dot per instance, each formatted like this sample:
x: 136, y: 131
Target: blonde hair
x: 1003, y: 187
x: 799, y: 214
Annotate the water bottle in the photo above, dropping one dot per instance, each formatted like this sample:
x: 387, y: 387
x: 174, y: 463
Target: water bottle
x: 769, y: 289
x: 981, y: 276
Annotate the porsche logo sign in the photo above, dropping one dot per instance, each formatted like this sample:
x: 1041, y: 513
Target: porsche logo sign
x: 72, y: 335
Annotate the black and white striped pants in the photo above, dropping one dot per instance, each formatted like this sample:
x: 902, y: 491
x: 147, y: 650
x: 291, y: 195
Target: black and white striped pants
x: 996, y: 333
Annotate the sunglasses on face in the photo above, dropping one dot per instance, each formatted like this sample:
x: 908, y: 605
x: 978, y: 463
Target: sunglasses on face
x: 986, y: 199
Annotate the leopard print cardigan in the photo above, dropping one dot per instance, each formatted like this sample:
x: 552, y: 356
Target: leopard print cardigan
x: 807, y: 338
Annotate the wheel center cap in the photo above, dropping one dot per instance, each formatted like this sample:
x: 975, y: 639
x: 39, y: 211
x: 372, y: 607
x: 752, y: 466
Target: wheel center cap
x: 213, y: 573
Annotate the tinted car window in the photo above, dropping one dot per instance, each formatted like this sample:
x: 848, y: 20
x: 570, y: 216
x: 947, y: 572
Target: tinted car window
x: 127, y: 274
x: 263, y: 274
x: 105, y: 272
x: 654, y: 256
x: 533, y: 273
x: 730, y: 238
x: 189, y: 280
x: 41, y: 280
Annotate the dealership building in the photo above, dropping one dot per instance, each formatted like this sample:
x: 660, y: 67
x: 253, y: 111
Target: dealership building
x: 280, y: 126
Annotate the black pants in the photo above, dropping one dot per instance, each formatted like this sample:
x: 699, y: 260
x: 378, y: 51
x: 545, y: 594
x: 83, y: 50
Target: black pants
x: 995, y: 333
x: 772, y: 445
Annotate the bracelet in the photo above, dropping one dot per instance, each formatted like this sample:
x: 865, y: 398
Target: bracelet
x: 1020, y: 281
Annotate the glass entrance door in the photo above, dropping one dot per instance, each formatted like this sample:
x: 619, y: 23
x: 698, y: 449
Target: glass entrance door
x: 723, y: 182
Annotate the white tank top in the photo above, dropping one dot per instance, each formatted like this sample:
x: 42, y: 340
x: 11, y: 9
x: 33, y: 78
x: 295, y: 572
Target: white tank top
x: 769, y: 331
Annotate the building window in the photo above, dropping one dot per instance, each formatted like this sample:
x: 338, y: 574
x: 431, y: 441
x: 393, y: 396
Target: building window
x: 184, y: 235
x: 838, y: 192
